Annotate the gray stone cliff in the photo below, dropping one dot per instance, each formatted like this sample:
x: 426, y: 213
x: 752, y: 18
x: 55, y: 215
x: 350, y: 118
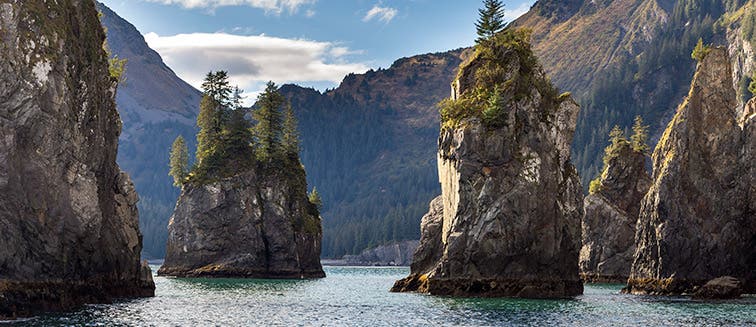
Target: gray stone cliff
x: 257, y: 223
x: 70, y: 231
x: 698, y: 222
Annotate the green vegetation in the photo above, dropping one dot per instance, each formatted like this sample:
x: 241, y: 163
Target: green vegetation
x: 700, y: 51
x: 179, y: 162
x: 631, y: 86
x: 228, y: 142
x: 639, y: 138
x: 495, y: 88
x: 491, y: 20
x: 618, y: 142
x: 315, y: 198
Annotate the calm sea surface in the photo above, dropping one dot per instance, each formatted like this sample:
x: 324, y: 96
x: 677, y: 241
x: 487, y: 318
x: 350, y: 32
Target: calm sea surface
x: 360, y: 297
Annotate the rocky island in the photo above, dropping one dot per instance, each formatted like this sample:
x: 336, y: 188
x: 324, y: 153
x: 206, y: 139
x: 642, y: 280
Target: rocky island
x: 508, y: 220
x: 697, y: 222
x: 611, y: 209
x: 68, y: 215
x: 243, y: 210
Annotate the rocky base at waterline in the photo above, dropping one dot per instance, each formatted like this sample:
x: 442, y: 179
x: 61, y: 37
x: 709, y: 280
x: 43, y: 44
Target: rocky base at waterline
x: 508, y: 221
x: 697, y: 221
x: 256, y: 224
x: 70, y: 227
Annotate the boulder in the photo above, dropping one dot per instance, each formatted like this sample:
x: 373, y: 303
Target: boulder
x: 726, y: 287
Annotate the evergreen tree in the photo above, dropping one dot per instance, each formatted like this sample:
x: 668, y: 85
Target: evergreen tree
x: 700, y: 51
x: 213, y: 116
x: 179, y: 162
x: 208, y: 136
x: 491, y: 20
x: 290, y: 133
x: 269, y: 128
x: 216, y: 86
x: 238, y: 138
x: 640, y: 136
x: 315, y: 198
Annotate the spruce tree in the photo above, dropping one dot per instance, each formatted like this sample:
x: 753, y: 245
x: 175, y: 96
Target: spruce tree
x: 315, y: 199
x: 212, y: 118
x: 700, y: 51
x: 238, y: 137
x: 491, y: 20
x: 179, y: 161
x: 290, y: 133
x: 640, y: 136
x: 269, y: 128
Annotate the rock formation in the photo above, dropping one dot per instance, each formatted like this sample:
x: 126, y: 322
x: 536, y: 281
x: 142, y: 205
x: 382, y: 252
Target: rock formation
x: 696, y: 223
x: 508, y: 220
x: 68, y: 216
x: 258, y: 223
x: 394, y: 254
x: 610, y: 217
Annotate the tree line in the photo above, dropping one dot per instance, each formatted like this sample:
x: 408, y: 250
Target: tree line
x: 228, y: 141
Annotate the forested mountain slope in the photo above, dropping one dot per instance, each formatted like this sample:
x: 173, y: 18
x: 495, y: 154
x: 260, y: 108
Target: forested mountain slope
x: 369, y: 147
x: 623, y: 58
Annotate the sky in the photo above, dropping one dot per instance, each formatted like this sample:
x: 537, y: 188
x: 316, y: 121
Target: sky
x: 312, y: 43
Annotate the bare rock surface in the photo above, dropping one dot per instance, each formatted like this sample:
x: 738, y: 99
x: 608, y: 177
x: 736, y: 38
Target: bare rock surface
x: 697, y: 221
x: 610, y: 216
x: 256, y: 224
x: 508, y: 220
x: 68, y: 215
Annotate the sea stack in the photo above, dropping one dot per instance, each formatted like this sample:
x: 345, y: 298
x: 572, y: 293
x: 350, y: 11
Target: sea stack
x: 508, y: 221
x: 70, y: 229
x: 256, y: 224
x: 244, y: 210
x: 611, y: 211
x: 697, y: 222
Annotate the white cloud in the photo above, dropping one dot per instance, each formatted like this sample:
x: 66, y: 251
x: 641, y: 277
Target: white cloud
x: 276, y: 6
x: 510, y: 15
x: 252, y: 60
x: 384, y: 14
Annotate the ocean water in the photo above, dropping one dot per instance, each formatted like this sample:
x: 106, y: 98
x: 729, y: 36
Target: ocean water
x: 352, y: 296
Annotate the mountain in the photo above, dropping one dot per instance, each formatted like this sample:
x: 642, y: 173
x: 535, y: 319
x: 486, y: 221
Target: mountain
x: 369, y: 147
x: 155, y: 106
x: 623, y: 58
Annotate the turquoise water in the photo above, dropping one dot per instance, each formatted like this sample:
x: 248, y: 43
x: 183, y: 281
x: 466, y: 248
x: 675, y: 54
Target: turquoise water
x: 359, y: 297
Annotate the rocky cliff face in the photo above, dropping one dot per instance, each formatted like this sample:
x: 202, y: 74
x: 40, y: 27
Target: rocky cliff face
x: 256, y: 224
x: 696, y: 223
x: 508, y: 220
x: 70, y: 230
x: 610, y: 217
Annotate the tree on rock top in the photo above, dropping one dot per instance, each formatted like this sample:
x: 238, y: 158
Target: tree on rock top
x: 269, y: 129
x: 491, y: 20
x: 179, y: 162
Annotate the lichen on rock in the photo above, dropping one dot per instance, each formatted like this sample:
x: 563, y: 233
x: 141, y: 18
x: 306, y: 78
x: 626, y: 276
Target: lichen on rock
x: 508, y: 220
x: 70, y: 229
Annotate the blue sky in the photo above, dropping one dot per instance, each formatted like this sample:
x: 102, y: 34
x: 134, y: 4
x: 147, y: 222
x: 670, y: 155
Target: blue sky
x: 308, y: 42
